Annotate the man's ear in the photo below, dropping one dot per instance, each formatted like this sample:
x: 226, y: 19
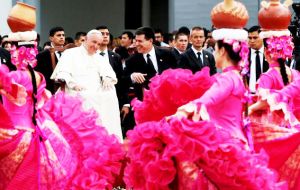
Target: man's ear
x: 50, y: 38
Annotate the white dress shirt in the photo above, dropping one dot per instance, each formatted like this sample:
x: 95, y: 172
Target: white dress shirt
x: 252, y: 80
x: 152, y: 57
x: 196, y: 53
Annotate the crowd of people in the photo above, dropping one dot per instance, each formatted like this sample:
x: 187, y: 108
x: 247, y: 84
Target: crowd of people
x: 195, y: 109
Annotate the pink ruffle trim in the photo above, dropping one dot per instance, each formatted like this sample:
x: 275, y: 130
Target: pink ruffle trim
x: 277, y: 102
x: 102, y: 155
x: 170, y: 90
x: 188, y: 155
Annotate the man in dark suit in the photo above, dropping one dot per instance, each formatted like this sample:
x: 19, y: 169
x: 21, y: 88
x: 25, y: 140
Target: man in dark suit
x: 6, y: 60
x: 257, y: 61
x: 115, y: 61
x: 47, y: 59
x: 181, y: 43
x: 294, y: 63
x: 195, y: 58
x: 147, y: 62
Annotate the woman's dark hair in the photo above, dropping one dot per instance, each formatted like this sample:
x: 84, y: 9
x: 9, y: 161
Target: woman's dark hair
x: 6, y: 42
x: 234, y: 56
x: 281, y: 62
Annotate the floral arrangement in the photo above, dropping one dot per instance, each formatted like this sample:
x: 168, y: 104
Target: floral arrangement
x: 24, y: 56
x: 280, y: 47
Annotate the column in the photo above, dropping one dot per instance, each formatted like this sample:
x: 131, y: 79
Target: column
x: 146, y: 13
x: 4, y: 11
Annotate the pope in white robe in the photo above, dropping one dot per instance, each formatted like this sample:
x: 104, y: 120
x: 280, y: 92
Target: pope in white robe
x: 88, y: 74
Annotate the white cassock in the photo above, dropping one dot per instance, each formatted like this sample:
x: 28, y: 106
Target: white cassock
x: 78, y: 68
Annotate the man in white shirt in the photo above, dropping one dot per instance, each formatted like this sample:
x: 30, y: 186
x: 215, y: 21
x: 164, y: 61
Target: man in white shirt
x: 88, y: 74
x: 257, y: 62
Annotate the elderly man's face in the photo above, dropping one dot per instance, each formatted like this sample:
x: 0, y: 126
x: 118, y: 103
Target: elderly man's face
x: 93, y: 43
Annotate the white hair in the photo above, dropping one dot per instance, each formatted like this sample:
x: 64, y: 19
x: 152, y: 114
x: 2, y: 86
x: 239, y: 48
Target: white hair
x: 93, y: 32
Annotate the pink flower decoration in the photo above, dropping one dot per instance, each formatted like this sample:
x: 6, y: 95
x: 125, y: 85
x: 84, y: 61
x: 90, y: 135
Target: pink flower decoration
x: 242, y: 48
x: 23, y: 56
x: 280, y: 47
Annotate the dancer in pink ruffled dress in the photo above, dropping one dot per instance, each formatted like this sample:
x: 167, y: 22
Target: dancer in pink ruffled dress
x: 270, y: 129
x: 203, y: 145
x: 278, y: 76
x: 51, y: 142
x: 273, y: 122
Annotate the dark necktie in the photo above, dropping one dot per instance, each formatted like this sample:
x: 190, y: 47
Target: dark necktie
x: 102, y: 53
x: 199, y: 59
x: 59, y: 54
x: 257, y: 65
x: 151, y: 68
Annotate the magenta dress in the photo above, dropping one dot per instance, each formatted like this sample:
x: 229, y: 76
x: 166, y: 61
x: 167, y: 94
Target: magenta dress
x: 66, y: 149
x: 272, y: 133
x: 224, y: 103
x: 192, y: 155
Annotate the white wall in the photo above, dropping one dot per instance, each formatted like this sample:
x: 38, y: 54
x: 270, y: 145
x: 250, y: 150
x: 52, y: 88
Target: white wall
x: 81, y: 15
x: 197, y: 13
x: 5, y: 7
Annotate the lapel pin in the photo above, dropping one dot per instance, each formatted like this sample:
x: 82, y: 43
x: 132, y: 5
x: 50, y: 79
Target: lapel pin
x: 206, y: 56
x: 160, y: 60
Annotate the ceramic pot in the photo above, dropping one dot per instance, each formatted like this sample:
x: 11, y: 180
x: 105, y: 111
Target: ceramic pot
x: 22, y: 18
x: 229, y: 14
x: 275, y: 17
